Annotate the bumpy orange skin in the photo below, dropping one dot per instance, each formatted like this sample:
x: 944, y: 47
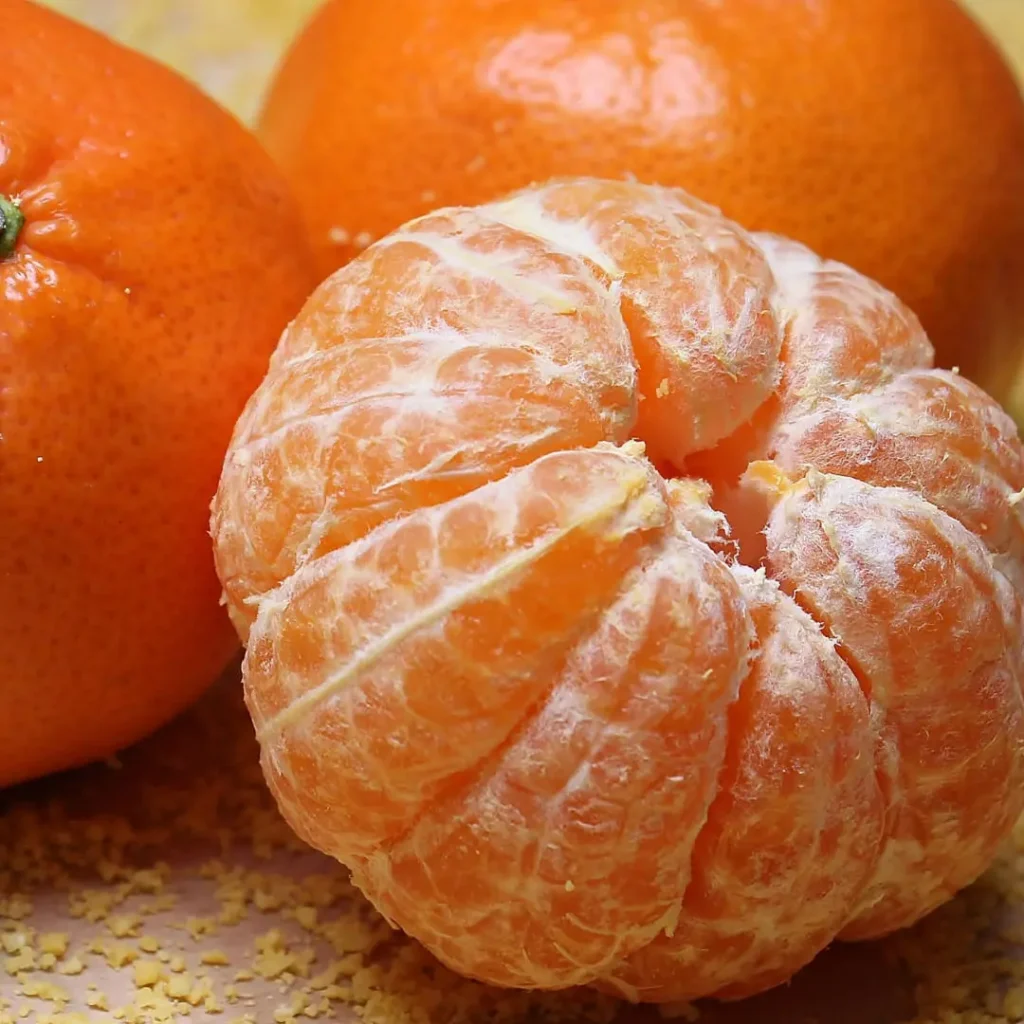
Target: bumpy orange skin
x: 888, y: 135
x: 160, y: 257
x: 567, y: 721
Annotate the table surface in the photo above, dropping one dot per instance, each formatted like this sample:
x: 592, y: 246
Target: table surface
x: 165, y: 886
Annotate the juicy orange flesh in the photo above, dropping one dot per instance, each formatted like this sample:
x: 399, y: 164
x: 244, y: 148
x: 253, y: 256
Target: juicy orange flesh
x: 909, y: 592
x: 519, y: 681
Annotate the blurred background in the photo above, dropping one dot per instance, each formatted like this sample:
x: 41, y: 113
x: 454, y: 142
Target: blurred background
x: 231, y: 46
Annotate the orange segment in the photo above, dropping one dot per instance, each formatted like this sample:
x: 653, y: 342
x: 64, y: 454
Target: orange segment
x: 460, y: 269
x: 933, y: 432
x: 844, y: 332
x: 381, y: 672
x: 589, y: 815
x: 795, y: 830
x: 487, y: 350
x: 695, y: 294
x: 932, y: 630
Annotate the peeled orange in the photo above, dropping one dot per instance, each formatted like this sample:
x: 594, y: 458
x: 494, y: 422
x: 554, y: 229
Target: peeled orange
x: 627, y: 600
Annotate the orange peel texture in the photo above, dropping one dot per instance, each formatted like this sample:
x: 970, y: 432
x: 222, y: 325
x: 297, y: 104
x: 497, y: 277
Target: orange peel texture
x: 627, y: 600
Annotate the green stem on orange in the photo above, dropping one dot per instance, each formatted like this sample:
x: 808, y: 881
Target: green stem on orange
x: 11, y: 220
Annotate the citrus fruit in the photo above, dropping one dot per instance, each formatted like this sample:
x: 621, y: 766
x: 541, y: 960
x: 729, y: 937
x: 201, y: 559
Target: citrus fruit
x: 510, y: 658
x: 150, y: 257
x: 889, y: 136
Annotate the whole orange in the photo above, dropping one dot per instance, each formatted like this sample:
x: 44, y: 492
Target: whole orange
x: 887, y: 135
x: 150, y: 256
